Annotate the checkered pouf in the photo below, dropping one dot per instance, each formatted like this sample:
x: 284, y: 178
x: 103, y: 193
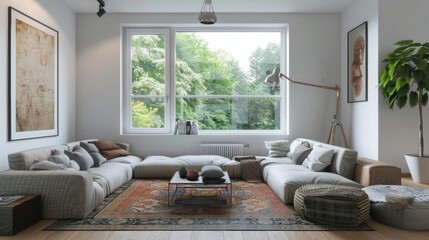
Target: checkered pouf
x: 251, y: 170
x: 335, y: 205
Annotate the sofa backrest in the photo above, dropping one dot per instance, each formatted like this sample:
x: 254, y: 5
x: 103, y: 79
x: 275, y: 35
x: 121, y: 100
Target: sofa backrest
x: 344, y: 160
x: 71, y: 145
x: 22, y: 160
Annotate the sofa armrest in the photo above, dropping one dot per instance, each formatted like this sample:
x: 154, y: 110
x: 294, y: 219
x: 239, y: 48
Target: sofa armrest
x: 370, y: 172
x: 65, y: 193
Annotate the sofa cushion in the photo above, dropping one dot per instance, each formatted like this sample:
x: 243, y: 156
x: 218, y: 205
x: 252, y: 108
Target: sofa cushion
x: 165, y: 167
x: 129, y: 159
x: 111, y: 175
x: 81, y: 156
x: 285, y: 179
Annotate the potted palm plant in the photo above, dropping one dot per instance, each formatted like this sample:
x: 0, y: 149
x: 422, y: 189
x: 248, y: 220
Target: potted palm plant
x: 405, y: 79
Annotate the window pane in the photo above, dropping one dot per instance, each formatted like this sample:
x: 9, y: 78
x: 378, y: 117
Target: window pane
x: 231, y: 113
x: 148, y: 113
x: 226, y: 63
x: 148, y: 64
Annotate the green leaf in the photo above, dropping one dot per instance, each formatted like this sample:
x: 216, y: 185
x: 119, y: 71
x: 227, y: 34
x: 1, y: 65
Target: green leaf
x: 413, y: 99
x: 401, y: 101
x: 425, y: 99
x: 404, y: 42
x: 419, y: 76
x: 392, y: 99
x: 422, y: 51
x: 408, y: 53
x: 420, y: 64
x: 403, y: 91
x: 427, y: 85
x: 399, y: 51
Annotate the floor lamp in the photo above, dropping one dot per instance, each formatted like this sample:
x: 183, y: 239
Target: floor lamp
x: 274, y: 79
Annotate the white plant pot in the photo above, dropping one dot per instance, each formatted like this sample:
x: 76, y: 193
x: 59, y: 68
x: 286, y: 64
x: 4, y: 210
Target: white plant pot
x: 419, y: 167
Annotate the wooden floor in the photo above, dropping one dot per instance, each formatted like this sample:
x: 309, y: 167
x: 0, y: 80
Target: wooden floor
x: 382, y: 232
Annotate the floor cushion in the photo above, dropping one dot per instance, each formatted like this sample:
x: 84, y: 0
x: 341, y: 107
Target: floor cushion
x: 400, y: 206
x: 332, y: 204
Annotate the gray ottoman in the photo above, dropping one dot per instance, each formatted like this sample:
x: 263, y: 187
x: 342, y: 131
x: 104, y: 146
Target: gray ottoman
x: 399, y: 206
x: 335, y: 205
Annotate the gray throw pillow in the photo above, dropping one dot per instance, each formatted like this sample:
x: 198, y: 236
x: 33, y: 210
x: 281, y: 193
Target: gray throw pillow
x: 300, y: 154
x: 89, y: 147
x: 294, y: 145
x: 212, y: 172
x: 46, y: 165
x: 98, y: 159
x: 81, y: 156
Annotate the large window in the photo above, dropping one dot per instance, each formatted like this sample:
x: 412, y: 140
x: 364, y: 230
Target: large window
x: 214, y: 78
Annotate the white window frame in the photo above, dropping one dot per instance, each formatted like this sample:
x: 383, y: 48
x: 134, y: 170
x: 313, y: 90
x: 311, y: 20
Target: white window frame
x: 170, y: 97
x: 127, y: 83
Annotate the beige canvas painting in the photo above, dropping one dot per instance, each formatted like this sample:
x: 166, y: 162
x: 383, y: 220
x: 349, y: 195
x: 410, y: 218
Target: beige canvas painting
x: 33, y: 77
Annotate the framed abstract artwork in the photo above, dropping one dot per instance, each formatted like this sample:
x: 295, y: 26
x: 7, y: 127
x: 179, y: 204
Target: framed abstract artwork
x: 357, y: 64
x: 33, y: 78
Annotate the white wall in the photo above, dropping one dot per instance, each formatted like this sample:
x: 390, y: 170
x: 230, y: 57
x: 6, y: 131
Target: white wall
x: 361, y: 118
x: 56, y: 15
x: 314, y: 57
x: 398, y: 129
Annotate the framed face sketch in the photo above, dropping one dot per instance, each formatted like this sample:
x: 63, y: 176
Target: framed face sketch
x: 33, y: 78
x: 357, y: 64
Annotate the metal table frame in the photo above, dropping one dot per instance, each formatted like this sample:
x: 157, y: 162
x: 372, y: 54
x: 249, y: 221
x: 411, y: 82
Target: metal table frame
x: 182, y: 183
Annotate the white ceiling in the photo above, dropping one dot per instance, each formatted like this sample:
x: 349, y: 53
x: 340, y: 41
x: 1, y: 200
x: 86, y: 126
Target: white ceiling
x: 220, y: 6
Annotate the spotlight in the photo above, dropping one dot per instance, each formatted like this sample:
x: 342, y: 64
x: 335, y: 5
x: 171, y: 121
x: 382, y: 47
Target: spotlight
x: 101, y: 10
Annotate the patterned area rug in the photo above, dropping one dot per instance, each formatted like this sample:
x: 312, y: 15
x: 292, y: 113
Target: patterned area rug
x: 143, y: 205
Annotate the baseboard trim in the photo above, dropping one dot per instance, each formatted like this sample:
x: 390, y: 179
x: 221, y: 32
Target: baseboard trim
x: 406, y: 174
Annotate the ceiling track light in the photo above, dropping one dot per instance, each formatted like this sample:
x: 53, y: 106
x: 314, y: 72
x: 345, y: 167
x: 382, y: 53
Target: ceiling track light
x: 101, y: 10
x: 207, y: 15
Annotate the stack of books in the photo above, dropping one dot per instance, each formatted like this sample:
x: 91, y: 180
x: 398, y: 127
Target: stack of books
x: 4, y: 200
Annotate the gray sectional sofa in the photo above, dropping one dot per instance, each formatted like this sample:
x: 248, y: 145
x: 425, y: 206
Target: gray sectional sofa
x: 74, y: 194
x: 65, y: 193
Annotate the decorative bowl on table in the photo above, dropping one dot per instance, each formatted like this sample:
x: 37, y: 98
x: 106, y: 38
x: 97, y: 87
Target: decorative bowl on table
x: 192, y: 175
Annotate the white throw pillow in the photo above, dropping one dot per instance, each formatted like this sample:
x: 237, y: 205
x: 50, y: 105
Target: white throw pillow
x: 319, y: 158
x: 277, y: 148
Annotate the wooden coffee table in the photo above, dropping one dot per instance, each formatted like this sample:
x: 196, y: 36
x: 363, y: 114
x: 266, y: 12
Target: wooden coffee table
x: 177, y: 183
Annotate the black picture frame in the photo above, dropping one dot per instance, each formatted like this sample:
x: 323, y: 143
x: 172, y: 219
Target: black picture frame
x: 33, y: 78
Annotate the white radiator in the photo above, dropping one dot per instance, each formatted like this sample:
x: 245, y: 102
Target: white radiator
x: 224, y: 150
